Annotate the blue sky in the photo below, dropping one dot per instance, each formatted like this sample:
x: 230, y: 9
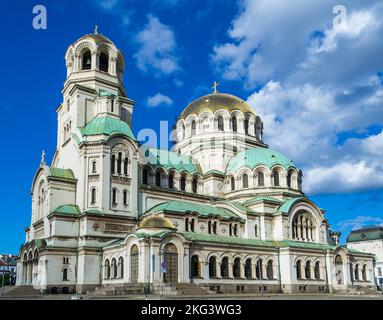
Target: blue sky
x: 318, y: 89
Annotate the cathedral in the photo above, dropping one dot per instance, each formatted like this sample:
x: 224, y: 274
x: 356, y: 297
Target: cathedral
x: 220, y: 212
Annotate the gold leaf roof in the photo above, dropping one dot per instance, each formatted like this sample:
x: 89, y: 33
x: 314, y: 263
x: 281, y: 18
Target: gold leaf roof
x: 156, y: 222
x: 214, y: 102
x: 98, y: 38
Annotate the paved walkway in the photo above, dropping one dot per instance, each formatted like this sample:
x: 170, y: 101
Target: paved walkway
x: 209, y: 297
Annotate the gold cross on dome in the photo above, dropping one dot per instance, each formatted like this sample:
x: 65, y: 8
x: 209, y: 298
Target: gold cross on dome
x: 214, y: 87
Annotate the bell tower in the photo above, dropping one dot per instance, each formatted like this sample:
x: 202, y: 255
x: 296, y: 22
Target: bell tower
x: 93, y: 85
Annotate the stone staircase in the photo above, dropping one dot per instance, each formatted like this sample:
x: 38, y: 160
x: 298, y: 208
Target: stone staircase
x: 118, y: 289
x: 183, y: 289
x: 21, y: 291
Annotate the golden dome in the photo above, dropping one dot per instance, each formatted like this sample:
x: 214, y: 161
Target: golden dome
x: 156, y: 222
x: 96, y: 37
x: 214, y: 102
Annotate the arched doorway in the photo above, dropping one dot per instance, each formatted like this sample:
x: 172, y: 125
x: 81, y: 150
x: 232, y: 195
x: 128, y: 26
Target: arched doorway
x: 171, y: 263
x: 134, y: 264
x: 339, y: 269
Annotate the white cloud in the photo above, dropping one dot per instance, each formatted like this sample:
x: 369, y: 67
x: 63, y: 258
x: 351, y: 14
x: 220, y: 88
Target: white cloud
x: 157, y: 48
x: 359, y: 222
x: 116, y: 8
x: 108, y: 4
x: 159, y: 100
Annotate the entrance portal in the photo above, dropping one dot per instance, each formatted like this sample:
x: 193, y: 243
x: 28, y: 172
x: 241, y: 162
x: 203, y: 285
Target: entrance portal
x: 171, y: 262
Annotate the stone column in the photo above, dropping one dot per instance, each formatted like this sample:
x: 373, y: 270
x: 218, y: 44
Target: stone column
x: 230, y: 265
x: 94, y: 60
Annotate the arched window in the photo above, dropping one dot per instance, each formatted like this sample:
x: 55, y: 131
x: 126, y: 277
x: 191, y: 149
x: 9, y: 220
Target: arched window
x: 125, y: 196
x: 256, y: 230
x: 145, y: 177
x: 246, y: 125
x: 93, y: 195
x: 225, y: 267
x: 183, y: 183
x: 308, y: 270
x: 126, y: 163
x: 364, y: 273
x: 113, y: 163
x: 209, y: 227
x: 230, y: 229
x: 237, y: 268
x: 94, y: 167
x: 104, y: 62
x: 212, y: 267
x: 120, y: 267
x: 269, y: 270
x: 276, y: 178
x: 171, y: 181
x: 186, y: 224
x: 245, y: 181
x: 220, y: 123
x: 248, y: 267
x: 119, y: 162
x: 114, y: 268
x: 317, y: 270
x: 158, y: 179
x: 299, y: 270
x: 193, y: 128
x: 192, y: 224
x: 215, y: 227
x: 112, y: 105
x: 258, y: 269
x: 300, y: 180
x: 234, y: 124
x: 261, y: 179
x: 232, y: 183
x: 194, y: 185
x: 356, y: 272
x: 235, y: 230
x: 107, y: 269
x: 65, y: 274
x: 195, y: 267
x: 303, y: 227
x: 86, y: 60
x: 114, y: 196
x: 289, y: 175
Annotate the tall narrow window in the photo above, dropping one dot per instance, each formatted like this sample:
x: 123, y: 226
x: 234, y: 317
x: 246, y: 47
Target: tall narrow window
x: 171, y: 181
x: 209, y: 227
x: 158, y: 179
x: 245, y: 181
x: 261, y: 179
x: 246, y: 124
x: 186, y: 224
x: 248, y: 269
x: 145, y: 176
x: 104, y: 62
x: 258, y: 269
x: 220, y: 123
x: 256, y: 230
x: 94, y: 167
x: 308, y: 270
x: 113, y: 164
x: 112, y: 105
x: 86, y: 60
x: 65, y: 274
x: 235, y: 231
x: 317, y: 270
x: 276, y: 178
x: 194, y: 185
x: 269, y: 270
x: 125, y: 197
x: 193, y: 128
x: 215, y: 227
x: 298, y: 269
x: 183, y: 183
x: 232, y: 183
x: 114, y: 196
x: 119, y: 162
x: 289, y: 179
x: 230, y: 229
x: 126, y: 163
x: 212, y: 267
x: 93, y: 196
x: 192, y: 223
x: 234, y: 124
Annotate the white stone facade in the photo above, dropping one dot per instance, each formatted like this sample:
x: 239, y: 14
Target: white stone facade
x: 222, y: 210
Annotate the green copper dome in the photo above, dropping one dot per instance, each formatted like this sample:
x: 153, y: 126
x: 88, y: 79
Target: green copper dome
x: 253, y: 157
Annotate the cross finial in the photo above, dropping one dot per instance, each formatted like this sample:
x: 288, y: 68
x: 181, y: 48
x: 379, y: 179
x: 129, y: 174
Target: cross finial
x: 43, y: 157
x: 214, y: 87
x: 96, y: 29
